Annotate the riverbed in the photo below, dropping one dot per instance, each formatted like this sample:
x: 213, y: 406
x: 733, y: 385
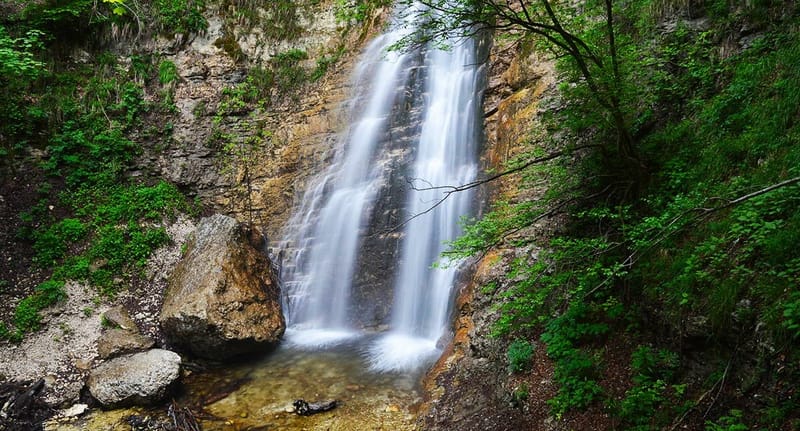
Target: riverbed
x: 262, y: 392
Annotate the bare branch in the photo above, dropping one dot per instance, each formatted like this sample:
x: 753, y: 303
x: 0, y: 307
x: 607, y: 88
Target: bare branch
x: 522, y: 167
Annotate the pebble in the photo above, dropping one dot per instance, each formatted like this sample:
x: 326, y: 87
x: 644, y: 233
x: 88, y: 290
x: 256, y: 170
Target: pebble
x: 75, y: 410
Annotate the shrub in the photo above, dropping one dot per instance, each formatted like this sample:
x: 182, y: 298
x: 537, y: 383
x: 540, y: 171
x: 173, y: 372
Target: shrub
x: 167, y: 72
x: 730, y: 422
x: 519, y: 356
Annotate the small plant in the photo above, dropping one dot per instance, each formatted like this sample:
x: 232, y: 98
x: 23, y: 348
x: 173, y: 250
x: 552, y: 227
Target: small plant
x: 791, y: 315
x: 26, y: 315
x: 66, y: 329
x: 643, y: 403
x: 289, y: 73
x: 167, y: 72
x: 88, y: 311
x: 106, y: 323
x: 520, y: 395
x: 180, y: 16
x: 730, y: 422
x: 519, y: 356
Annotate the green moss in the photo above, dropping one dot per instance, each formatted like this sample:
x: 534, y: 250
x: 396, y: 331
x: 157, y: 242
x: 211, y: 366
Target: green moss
x: 230, y: 46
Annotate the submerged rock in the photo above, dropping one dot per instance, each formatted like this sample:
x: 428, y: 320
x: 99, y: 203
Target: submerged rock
x: 137, y: 379
x: 304, y: 408
x: 223, y: 299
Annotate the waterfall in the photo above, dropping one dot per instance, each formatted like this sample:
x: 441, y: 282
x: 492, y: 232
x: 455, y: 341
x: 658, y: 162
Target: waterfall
x: 437, y: 93
x: 325, y: 232
x: 445, y: 157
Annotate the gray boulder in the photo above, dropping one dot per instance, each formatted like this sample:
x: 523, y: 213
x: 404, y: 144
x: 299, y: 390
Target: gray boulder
x: 137, y: 379
x: 223, y: 299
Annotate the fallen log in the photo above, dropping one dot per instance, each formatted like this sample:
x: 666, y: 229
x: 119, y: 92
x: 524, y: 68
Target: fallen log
x: 21, y: 407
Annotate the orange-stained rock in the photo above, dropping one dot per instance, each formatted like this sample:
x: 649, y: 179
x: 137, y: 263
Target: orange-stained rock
x: 223, y: 299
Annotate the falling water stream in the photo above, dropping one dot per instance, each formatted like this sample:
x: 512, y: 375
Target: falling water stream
x: 328, y: 232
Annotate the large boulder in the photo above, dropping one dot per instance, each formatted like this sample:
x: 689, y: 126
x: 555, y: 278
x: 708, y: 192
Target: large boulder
x: 223, y: 298
x: 137, y: 379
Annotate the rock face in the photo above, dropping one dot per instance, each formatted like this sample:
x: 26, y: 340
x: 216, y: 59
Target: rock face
x: 222, y: 299
x: 137, y: 379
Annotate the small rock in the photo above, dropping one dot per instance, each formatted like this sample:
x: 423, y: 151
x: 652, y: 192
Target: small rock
x: 120, y: 318
x: 392, y: 408
x: 115, y: 342
x: 83, y: 364
x: 289, y: 409
x: 137, y: 379
x: 75, y: 410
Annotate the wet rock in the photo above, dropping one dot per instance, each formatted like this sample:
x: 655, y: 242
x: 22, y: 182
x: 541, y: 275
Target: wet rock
x: 304, y: 408
x: 137, y: 379
x: 115, y: 342
x: 223, y: 299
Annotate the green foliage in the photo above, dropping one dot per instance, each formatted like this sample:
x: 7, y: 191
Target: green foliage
x: 730, y: 422
x: 17, y: 55
x: 791, y: 314
x: 576, y: 371
x: 356, y: 10
x: 324, y: 63
x: 283, y: 20
x: 289, y: 73
x: 26, y: 315
x: 51, y: 243
x: 519, y: 356
x: 88, y: 152
x: 180, y: 16
x: 643, y: 405
x: 520, y: 395
x: 576, y: 376
x: 705, y: 234
x: 167, y: 72
x: 18, y: 70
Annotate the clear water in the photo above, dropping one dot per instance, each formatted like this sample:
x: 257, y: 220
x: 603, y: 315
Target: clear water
x: 264, y: 389
x: 367, y: 400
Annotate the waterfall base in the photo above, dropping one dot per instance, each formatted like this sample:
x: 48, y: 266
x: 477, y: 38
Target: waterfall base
x: 398, y: 352
x: 312, y: 339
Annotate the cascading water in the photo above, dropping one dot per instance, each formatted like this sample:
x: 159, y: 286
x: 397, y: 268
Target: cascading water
x: 327, y: 231
x: 335, y: 209
x: 445, y: 157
